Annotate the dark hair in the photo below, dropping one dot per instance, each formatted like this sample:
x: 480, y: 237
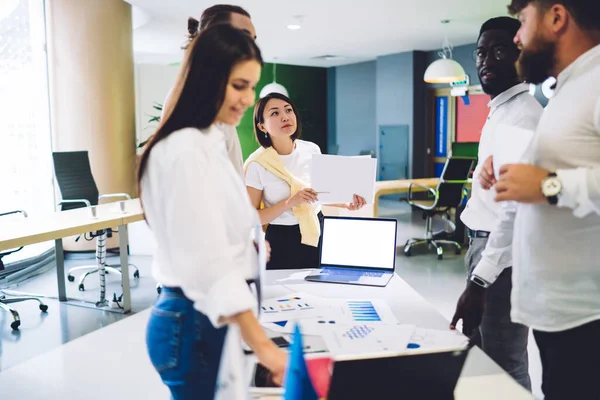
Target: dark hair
x: 201, y: 83
x: 585, y: 12
x: 505, y: 24
x: 217, y: 14
x: 259, y: 110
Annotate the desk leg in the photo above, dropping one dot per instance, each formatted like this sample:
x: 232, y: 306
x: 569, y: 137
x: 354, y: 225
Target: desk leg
x: 123, y: 243
x: 376, y: 206
x: 60, y: 269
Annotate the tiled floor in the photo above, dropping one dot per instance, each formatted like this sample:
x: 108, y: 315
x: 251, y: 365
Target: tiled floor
x: 440, y: 282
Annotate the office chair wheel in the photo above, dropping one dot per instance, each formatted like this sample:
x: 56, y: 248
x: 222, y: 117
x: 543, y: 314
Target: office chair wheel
x: 43, y: 307
x: 408, y: 253
x: 136, y: 274
x: 15, y: 325
x: 71, y: 278
x: 81, y: 287
x: 458, y: 251
x: 440, y: 256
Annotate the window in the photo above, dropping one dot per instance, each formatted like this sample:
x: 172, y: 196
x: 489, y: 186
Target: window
x: 26, y: 170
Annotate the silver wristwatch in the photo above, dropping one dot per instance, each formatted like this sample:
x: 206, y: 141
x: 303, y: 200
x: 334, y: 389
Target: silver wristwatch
x: 479, y: 281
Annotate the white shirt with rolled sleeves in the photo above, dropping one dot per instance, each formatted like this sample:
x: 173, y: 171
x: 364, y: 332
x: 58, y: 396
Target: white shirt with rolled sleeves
x: 513, y: 108
x: 202, y: 219
x: 556, y: 249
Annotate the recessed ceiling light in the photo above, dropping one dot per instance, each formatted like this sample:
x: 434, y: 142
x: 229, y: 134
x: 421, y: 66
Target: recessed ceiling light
x: 294, y: 27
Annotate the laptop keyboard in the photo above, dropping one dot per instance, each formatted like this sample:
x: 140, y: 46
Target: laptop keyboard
x: 351, y: 272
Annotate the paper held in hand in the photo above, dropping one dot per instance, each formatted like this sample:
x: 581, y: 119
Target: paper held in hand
x: 338, y: 178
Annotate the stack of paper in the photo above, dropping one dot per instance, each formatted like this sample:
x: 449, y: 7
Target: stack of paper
x: 338, y: 178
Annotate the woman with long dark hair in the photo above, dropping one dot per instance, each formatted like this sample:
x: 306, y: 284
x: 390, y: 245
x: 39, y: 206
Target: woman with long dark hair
x: 196, y: 205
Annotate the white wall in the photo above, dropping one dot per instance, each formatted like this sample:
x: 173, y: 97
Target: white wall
x: 152, y: 83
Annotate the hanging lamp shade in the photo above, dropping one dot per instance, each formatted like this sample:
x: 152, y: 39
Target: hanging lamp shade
x: 444, y: 70
x: 273, y: 87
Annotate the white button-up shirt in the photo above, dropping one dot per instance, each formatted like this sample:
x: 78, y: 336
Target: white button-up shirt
x: 513, y: 108
x: 199, y: 212
x: 556, y: 249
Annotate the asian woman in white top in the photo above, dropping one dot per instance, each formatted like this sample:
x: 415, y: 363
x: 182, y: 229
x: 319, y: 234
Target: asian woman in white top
x: 198, y: 210
x: 278, y: 183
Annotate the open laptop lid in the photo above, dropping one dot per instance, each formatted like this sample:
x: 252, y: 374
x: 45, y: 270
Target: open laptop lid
x: 362, y: 243
x: 420, y: 375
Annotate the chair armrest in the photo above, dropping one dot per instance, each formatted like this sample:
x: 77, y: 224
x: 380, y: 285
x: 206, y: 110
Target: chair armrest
x: 5, y: 253
x: 15, y: 212
x: 75, y: 201
x: 427, y: 189
x: 114, y: 195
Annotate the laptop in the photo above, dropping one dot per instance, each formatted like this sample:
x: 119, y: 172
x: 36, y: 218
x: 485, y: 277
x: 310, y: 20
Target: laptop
x: 424, y: 374
x: 357, y: 251
x: 407, y: 376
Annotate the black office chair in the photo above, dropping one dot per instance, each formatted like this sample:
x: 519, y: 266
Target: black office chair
x: 78, y: 189
x: 4, y: 300
x: 449, y: 194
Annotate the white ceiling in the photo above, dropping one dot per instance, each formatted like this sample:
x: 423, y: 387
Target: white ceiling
x: 364, y: 31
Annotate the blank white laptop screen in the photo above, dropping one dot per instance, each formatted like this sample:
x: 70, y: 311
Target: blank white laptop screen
x: 359, y: 242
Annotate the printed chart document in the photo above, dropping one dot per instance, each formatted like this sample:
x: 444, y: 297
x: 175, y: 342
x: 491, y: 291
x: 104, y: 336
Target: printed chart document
x: 510, y: 145
x: 338, y: 178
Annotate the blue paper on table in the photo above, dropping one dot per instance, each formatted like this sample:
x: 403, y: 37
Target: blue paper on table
x: 298, y: 385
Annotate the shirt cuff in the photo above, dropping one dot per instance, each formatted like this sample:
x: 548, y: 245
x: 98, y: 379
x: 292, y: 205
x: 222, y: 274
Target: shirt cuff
x: 229, y: 296
x: 487, y: 271
x: 571, y: 180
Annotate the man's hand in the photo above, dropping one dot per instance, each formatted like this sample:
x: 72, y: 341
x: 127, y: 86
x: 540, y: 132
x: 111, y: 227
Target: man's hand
x: 486, y: 175
x: 521, y: 183
x: 470, y: 307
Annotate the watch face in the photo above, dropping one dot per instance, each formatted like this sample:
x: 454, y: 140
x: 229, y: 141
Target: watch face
x: 551, y: 187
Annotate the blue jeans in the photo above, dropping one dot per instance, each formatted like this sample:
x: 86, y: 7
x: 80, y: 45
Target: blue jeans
x: 500, y: 338
x: 184, y: 347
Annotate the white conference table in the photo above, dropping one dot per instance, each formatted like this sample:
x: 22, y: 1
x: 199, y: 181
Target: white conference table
x: 82, y: 369
x: 58, y: 225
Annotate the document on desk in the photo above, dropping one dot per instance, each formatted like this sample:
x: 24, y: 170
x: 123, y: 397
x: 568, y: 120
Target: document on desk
x: 368, y: 338
x: 292, y: 307
x: 338, y: 178
x: 428, y: 339
x: 510, y: 145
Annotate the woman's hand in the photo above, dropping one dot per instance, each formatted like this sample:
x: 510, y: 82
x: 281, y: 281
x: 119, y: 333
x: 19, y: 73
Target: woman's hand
x: 306, y: 195
x: 358, y: 202
x: 275, y: 360
x: 267, y: 246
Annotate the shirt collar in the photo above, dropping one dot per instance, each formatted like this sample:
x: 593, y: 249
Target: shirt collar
x: 508, y: 94
x: 589, y: 58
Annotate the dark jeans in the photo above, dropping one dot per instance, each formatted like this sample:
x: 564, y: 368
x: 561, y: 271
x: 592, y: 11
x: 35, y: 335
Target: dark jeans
x: 501, y: 339
x: 287, y: 250
x: 570, y: 362
x: 183, y: 346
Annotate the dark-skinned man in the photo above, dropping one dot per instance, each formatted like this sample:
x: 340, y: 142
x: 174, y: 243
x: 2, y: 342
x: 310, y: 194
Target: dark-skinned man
x: 484, y: 306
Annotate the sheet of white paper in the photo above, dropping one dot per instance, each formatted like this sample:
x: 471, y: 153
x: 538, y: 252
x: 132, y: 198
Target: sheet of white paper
x: 338, y: 178
x: 426, y: 339
x: 509, y: 145
x: 294, y: 306
x: 368, y: 338
x: 296, y: 276
x: 335, y: 313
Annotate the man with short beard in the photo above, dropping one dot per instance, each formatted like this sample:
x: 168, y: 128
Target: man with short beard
x: 556, y: 240
x: 484, y: 306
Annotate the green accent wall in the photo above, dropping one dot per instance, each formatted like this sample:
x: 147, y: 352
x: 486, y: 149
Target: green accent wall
x: 307, y: 87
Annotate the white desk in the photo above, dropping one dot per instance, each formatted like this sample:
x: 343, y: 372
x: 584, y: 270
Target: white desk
x: 82, y: 369
x: 55, y: 226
